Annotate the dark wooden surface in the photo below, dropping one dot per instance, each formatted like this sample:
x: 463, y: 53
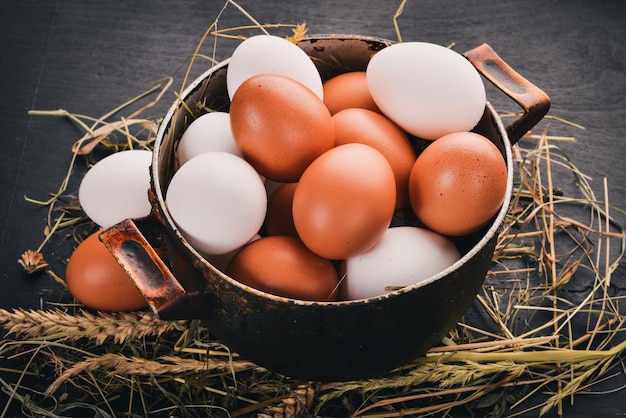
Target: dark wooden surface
x: 90, y: 56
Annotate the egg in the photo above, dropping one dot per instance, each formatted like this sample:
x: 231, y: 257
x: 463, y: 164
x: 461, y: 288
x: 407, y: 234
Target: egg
x: 209, y: 132
x: 269, y: 54
x: 367, y: 127
x: 279, y: 218
x: 283, y: 266
x: 348, y: 90
x: 280, y: 126
x: 427, y: 89
x: 218, y: 202
x: 404, y: 256
x: 344, y: 201
x: 458, y: 183
x: 96, y: 279
x: 116, y: 188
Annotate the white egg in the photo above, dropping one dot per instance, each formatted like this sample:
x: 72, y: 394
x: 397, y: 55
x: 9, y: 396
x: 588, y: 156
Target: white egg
x: 218, y: 202
x: 116, y: 188
x: 427, y: 89
x: 209, y: 132
x: 404, y: 256
x: 269, y: 54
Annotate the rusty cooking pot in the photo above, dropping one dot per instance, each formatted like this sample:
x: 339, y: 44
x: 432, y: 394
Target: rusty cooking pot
x: 319, y: 341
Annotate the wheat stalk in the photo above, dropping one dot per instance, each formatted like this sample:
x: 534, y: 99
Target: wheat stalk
x: 165, y: 365
x: 100, y: 327
x: 542, y: 357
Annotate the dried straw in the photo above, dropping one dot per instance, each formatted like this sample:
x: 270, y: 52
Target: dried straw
x: 166, y: 365
x: 101, y: 327
x: 528, y: 352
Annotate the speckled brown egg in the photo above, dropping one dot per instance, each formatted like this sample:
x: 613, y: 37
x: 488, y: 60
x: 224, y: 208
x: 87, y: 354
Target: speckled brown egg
x: 344, y: 201
x: 458, y: 183
x: 96, y: 280
x: 348, y: 90
x: 280, y: 126
x: 367, y: 127
x: 283, y: 266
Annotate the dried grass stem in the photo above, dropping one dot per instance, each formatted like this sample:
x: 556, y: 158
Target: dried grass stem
x: 100, y: 327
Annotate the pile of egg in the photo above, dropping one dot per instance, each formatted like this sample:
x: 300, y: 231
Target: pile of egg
x: 296, y: 191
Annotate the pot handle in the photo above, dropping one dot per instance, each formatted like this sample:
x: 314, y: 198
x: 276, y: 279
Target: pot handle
x: 533, y: 100
x: 144, y: 263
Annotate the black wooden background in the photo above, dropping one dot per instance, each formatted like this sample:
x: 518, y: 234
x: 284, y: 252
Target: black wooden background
x: 89, y: 56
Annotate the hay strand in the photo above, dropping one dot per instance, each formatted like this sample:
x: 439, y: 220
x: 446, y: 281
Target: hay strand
x: 526, y: 345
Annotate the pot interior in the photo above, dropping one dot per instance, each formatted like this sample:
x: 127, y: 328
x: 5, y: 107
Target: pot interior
x: 333, y: 55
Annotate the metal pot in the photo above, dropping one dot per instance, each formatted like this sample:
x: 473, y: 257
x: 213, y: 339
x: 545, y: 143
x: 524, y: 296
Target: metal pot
x: 320, y: 341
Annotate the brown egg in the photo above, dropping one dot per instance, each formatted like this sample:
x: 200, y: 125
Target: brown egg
x: 96, y: 280
x: 279, y: 218
x: 367, y: 127
x: 283, y: 266
x: 458, y: 183
x: 348, y: 90
x: 344, y: 201
x: 280, y: 126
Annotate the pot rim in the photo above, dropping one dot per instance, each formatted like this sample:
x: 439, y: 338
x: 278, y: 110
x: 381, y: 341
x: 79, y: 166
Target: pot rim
x: 166, y: 124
